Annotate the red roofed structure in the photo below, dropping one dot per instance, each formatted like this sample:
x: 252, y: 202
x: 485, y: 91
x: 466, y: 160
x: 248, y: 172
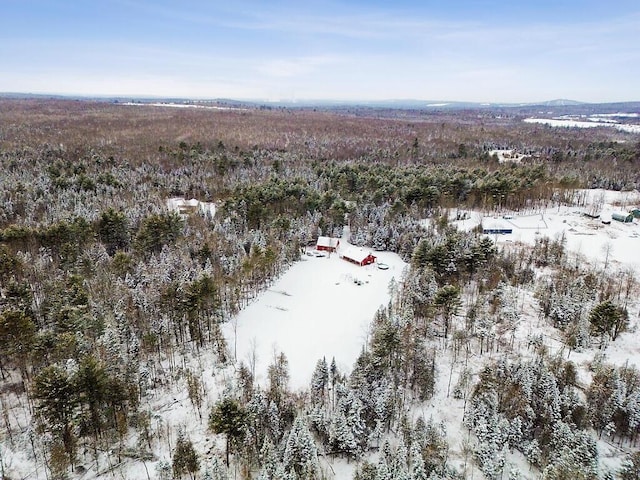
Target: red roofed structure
x: 359, y: 256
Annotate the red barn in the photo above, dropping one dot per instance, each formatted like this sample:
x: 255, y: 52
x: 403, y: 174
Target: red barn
x: 359, y: 256
x: 328, y: 244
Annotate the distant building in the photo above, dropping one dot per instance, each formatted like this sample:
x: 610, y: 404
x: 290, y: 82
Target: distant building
x: 182, y: 206
x: 359, y: 256
x: 328, y: 244
x: 187, y: 207
x: 493, y: 226
x: 624, y: 217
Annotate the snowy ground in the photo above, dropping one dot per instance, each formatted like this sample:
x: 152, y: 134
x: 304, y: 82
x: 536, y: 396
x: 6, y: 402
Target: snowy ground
x: 592, y: 122
x: 507, y: 156
x: 585, y: 236
x: 315, y: 310
x: 201, y: 106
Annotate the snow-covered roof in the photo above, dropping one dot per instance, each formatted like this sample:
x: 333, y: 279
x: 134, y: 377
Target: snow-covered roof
x: 620, y: 213
x: 179, y: 204
x: 328, y: 242
x: 495, y: 224
x: 355, y: 254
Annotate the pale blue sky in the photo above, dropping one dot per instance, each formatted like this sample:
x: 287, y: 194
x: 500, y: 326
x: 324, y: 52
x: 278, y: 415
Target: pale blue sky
x: 471, y: 50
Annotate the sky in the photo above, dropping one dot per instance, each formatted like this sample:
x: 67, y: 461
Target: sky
x: 281, y: 50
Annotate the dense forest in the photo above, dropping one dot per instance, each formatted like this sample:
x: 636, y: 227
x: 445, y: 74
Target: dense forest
x: 107, y: 296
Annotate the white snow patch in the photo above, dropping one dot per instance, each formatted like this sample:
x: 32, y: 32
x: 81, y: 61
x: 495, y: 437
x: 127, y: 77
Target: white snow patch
x: 583, y: 235
x: 583, y: 124
x: 178, y: 105
x: 507, y: 156
x: 316, y: 309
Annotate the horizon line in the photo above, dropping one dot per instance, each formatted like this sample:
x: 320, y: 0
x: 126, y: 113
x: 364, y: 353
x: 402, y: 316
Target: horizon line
x: 361, y: 101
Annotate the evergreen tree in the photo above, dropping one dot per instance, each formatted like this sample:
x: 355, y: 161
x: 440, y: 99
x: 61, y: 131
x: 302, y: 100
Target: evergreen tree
x: 157, y: 231
x: 630, y: 469
x: 448, y: 302
x: 185, y: 458
x: 113, y: 231
x: 92, y: 386
x: 278, y: 374
x: 17, y: 337
x: 607, y: 318
x: 56, y: 402
x: 229, y: 418
x: 300, y: 458
x: 319, y: 381
x: 269, y: 462
x: 418, y: 471
x: 216, y: 470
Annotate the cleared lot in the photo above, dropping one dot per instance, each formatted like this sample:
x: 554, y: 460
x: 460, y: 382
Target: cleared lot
x: 321, y: 307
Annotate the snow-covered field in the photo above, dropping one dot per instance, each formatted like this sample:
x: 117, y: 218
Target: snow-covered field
x: 316, y: 309
x: 586, y: 123
x: 585, y: 236
x: 178, y: 105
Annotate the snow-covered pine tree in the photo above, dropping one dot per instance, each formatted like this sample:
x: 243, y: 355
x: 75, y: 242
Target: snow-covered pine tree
x: 320, y: 381
x: 300, y: 457
x: 216, y: 470
x: 185, y: 459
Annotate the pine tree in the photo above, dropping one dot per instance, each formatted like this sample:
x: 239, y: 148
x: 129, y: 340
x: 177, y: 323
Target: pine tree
x: 300, y: 456
x: 92, y: 385
x: 56, y: 401
x: 228, y: 417
x: 447, y: 300
x: 185, y: 458
x: 418, y: 471
x: 216, y: 470
x: 17, y: 336
x: 341, y: 439
x: 269, y: 462
x: 319, y: 381
x: 278, y: 374
x: 630, y: 469
x: 608, y: 319
x: 113, y: 230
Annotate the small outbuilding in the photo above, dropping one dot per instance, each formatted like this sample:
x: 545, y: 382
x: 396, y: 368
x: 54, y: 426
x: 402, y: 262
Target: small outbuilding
x: 624, y: 217
x: 359, y: 256
x: 635, y: 212
x: 187, y: 207
x: 182, y: 206
x: 492, y: 226
x: 328, y: 244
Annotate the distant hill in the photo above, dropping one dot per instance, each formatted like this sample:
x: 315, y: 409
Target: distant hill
x: 551, y: 107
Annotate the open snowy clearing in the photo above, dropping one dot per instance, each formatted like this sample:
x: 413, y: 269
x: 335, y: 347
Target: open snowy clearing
x: 553, y: 122
x: 507, y: 156
x: 585, y: 236
x: 179, y: 105
x: 316, y: 309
